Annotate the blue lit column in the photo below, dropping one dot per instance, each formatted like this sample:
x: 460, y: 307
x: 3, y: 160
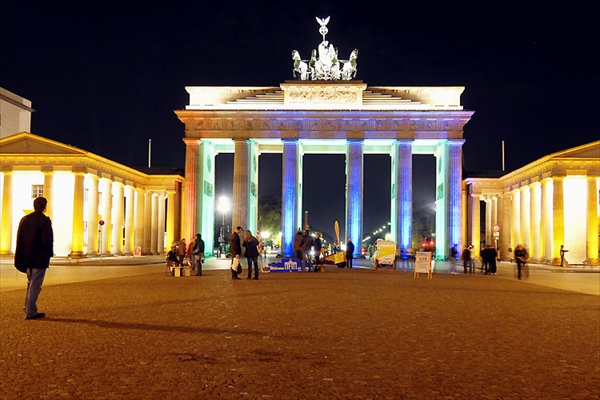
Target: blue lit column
x: 354, y: 193
x: 453, y: 200
x: 291, y: 195
x: 241, y: 184
x: 401, y: 208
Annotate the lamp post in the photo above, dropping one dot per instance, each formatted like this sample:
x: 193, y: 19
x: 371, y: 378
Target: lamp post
x: 223, y: 206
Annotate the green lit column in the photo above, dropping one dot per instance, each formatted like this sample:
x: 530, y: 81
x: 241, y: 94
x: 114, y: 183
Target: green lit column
x: 205, y: 193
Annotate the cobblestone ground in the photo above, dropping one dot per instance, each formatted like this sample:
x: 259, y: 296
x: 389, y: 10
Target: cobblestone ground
x: 341, y: 334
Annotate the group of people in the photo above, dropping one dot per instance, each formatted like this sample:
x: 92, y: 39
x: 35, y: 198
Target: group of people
x: 253, y: 250
x: 194, y: 253
x: 310, y: 251
x: 489, y: 256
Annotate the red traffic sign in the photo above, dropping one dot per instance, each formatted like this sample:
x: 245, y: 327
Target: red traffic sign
x: 496, y: 228
x: 101, y: 222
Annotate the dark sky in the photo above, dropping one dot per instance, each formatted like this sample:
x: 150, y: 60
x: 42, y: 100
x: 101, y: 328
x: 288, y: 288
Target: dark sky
x: 106, y: 77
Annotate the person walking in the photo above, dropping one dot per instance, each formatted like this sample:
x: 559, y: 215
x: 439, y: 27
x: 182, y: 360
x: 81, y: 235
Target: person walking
x: 318, y: 248
x: 251, y: 253
x: 349, y: 253
x: 198, y: 254
x: 306, y: 246
x: 235, y: 248
x: 298, y: 245
x: 35, y: 246
x: 493, y: 256
x: 521, y: 257
x: 453, y: 254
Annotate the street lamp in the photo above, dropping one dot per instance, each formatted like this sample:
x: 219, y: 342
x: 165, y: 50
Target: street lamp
x: 223, y: 206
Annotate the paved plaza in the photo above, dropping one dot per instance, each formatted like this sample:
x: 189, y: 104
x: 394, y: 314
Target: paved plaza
x: 120, y: 328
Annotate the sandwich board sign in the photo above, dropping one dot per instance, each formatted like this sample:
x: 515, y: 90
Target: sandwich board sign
x: 423, y: 264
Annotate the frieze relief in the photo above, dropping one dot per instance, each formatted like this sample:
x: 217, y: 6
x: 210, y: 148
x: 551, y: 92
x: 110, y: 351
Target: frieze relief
x: 330, y: 96
x: 323, y: 124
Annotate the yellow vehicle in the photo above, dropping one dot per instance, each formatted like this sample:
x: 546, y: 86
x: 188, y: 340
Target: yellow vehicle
x: 384, y: 254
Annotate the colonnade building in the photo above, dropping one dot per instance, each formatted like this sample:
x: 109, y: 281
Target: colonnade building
x: 98, y: 207
x: 324, y: 117
x: 546, y: 204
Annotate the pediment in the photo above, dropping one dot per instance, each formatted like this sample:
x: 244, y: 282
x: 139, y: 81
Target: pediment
x: 590, y: 150
x: 28, y: 143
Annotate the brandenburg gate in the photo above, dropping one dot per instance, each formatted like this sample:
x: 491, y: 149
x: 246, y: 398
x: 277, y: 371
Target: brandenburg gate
x: 326, y: 111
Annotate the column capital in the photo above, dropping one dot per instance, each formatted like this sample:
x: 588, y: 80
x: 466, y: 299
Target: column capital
x: 47, y: 168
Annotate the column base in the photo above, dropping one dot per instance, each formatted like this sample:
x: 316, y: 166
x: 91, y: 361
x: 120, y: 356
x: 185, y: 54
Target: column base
x: 77, y: 254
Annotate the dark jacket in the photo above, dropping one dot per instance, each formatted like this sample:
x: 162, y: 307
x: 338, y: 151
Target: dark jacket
x: 35, y: 242
x: 235, y: 245
x: 349, y: 249
x: 199, y: 246
x: 251, y: 248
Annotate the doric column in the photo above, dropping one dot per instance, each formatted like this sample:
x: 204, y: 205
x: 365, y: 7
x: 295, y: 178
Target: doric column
x: 515, y: 219
x: 92, y: 218
x: 117, y: 218
x: 547, y: 220
x: 77, y: 232
x: 6, y: 236
x: 453, y: 199
x: 170, y: 218
x: 241, y: 184
x: 48, y: 188
x: 291, y: 194
x: 129, y: 206
x: 161, y: 224
x: 401, y: 207
x: 476, y: 221
x: 205, y: 194
x: 354, y: 193
x: 105, y: 187
x: 535, y: 201
x: 525, y: 218
x: 592, y: 220
x: 505, y: 227
x: 488, y: 220
x: 558, y: 217
x: 147, y: 224
x: 190, y: 192
x: 154, y: 225
x: 138, y: 212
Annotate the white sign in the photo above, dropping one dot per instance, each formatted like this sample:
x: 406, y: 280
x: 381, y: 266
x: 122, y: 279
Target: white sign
x: 423, y: 262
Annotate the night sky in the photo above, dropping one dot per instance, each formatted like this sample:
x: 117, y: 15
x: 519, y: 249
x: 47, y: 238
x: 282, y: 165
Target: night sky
x: 106, y: 78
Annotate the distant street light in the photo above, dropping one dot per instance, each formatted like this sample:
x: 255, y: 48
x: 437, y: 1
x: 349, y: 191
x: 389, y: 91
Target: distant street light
x: 223, y: 206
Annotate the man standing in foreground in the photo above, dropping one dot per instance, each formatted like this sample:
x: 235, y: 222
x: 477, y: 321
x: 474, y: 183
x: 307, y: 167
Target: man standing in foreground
x: 349, y: 253
x: 35, y: 246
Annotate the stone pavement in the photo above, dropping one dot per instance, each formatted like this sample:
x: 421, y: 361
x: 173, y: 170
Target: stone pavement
x: 129, y: 331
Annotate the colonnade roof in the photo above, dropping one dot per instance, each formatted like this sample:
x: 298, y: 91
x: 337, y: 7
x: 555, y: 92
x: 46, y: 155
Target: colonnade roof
x: 583, y: 160
x: 28, y: 152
